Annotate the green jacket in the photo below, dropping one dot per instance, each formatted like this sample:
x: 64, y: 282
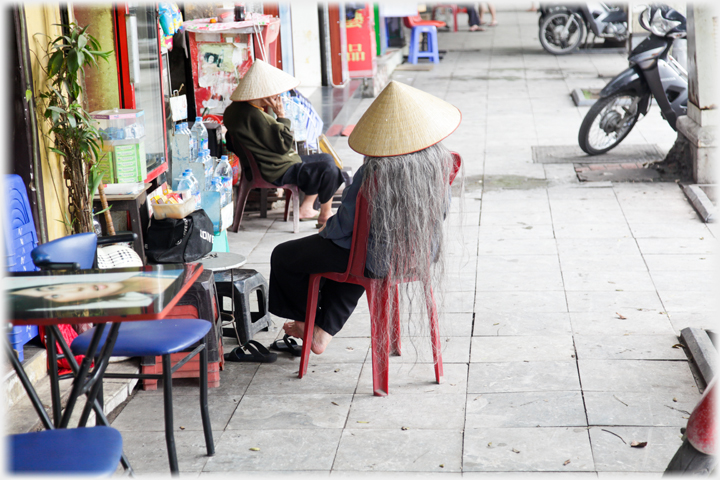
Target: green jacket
x: 269, y: 140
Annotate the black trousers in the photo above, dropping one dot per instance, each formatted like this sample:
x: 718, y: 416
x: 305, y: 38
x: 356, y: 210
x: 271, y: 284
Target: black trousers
x: 473, y: 17
x: 291, y: 265
x: 316, y: 174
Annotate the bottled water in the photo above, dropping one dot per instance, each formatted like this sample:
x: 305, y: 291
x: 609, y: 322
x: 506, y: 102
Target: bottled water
x: 181, y: 129
x: 190, y: 183
x: 223, y: 171
x: 200, y: 136
x: 209, y: 167
x: 216, y: 186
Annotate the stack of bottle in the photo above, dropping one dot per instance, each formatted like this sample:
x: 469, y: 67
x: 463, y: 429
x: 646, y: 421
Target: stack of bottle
x: 207, y: 179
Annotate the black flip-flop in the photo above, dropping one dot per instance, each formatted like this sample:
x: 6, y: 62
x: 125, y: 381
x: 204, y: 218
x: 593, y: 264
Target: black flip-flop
x: 258, y: 353
x: 287, y: 344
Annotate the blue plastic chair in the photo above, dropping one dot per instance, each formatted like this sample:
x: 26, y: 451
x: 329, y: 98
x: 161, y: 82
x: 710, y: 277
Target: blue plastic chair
x: 20, y: 234
x: 162, y: 337
x: 20, y: 239
x: 66, y: 451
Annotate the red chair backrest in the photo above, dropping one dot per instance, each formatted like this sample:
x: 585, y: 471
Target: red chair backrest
x: 361, y: 227
x: 249, y: 161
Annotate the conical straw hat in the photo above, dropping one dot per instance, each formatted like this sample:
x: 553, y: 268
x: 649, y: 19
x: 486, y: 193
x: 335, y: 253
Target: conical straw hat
x: 263, y: 80
x: 403, y: 120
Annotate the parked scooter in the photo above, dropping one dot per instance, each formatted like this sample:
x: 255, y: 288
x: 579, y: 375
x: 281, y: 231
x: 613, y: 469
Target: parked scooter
x: 652, y: 73
x: 697, y: 454
x: 563, y: 27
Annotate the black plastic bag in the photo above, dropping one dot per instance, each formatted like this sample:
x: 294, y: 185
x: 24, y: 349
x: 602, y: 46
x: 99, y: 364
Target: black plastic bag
x: 179, y: 241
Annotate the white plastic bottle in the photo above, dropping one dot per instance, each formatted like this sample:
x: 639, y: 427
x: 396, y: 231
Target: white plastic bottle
x: 224, y: 172
x: 200, y: 135
x: 184, y: 130
x: 209, y: 166
x: 190, y: 183
x: 216, y: 186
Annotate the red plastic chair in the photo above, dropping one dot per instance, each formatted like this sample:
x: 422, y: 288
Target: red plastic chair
x: 251, y: 178
x: 377, y: 290
x: 417, y: 21
x: 453, y: 7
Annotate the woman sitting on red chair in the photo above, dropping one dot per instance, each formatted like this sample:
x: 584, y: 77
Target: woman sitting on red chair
x: 271, y: 141
x: 405, y: 179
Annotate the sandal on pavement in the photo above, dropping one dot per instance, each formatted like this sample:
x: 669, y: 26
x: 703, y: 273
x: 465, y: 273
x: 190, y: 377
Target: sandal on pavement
x: 257, y: 353
x: 287, y: 344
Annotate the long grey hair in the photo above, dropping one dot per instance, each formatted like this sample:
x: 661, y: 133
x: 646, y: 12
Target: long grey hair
x: 409, y: 198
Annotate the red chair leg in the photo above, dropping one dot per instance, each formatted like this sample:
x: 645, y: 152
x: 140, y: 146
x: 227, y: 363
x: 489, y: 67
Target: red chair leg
x: 243, y: 192
x: 380, y: 341
x: 434, y: 333
x: 395, y: 318
x: 455, y: 12
x: 312, y: 302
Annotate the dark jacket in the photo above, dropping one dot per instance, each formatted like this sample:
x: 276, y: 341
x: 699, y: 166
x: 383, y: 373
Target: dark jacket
x: 269, y: 140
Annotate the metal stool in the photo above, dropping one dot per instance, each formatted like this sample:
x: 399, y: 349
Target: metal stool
x: 238, y: 284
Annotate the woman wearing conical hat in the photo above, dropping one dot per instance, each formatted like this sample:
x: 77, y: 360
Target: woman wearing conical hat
x: 405, y: 177
x: 270, y: 140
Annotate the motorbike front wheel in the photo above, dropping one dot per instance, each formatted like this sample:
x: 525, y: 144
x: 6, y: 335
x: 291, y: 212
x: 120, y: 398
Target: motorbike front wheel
x: 561, y: 33
x: 608, y: 122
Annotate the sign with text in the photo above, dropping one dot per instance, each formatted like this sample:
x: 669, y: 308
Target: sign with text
x: 360, y: 31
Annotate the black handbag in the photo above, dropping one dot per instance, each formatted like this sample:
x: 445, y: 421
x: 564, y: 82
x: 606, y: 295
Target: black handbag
x: 179, y: 241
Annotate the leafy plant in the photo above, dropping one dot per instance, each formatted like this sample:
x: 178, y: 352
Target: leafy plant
x: 72, y: 132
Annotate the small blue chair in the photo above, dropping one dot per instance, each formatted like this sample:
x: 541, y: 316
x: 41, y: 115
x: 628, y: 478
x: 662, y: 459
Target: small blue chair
x: 66, y: 451
x: 420, y: 26
x: 161, y: 337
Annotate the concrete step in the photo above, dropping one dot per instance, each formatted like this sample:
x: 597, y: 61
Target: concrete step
x: 35, y: 366
x: 20, y: 415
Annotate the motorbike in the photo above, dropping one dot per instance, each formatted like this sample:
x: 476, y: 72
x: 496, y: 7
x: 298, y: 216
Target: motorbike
x: 653, y: 72
x: 563, y: 27
x: 696, y: 455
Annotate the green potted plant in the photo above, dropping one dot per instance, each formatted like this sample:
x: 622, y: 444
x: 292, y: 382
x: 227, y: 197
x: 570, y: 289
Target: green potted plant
x: 72, y: 132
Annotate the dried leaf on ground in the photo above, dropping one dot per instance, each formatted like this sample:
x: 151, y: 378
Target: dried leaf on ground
x: 516, y: 450
x: 678, y: 345
x: 182, y: 428
x: 254, y: 449
x: 335, y: 404
x: 621, y: 317
x: 403, y: 428
x: 638, y: 444
x: 362, y: 421
x: 566, y: 462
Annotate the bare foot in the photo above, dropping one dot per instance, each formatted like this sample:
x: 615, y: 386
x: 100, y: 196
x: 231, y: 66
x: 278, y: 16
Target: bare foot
x: 308, y: 213
x: 321, y: 338
x: 476, y: 28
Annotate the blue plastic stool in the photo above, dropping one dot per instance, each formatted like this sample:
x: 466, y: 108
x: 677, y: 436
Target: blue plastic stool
x: 161, y: 337
x: 88, y: 451
x: 416, y: 37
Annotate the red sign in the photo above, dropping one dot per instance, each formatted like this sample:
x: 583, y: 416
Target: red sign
x: 361, y: 49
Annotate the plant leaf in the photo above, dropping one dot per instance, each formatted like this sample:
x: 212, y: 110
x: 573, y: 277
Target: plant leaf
x: 96, y: 179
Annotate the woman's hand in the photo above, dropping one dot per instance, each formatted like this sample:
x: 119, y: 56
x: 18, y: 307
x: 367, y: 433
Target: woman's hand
x: 276, y: 104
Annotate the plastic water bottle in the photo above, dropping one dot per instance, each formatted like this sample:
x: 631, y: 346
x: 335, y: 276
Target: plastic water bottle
x: 209, y: 167
x: 200, y: 135
x: 190, y: 183
x: 224, y: 172
x: 216, y: 186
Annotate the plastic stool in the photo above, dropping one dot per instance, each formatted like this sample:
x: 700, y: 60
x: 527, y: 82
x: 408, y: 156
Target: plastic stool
x: 238, y: 284
x: 416, y: 37
x: 66, y: 451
